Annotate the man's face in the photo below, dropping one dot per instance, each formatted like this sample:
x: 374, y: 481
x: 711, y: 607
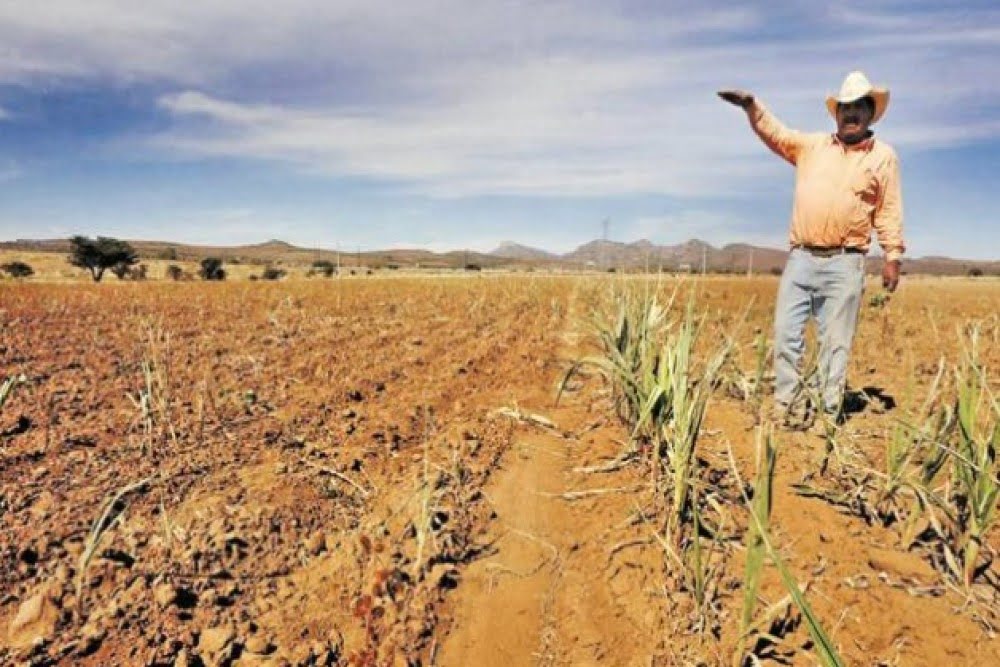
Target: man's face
x: 853, y: 119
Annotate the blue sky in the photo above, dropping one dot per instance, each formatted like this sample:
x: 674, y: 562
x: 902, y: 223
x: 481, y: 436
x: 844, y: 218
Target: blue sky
x: 451, y: 124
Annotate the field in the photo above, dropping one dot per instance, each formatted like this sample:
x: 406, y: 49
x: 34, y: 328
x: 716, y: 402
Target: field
x: 376, y: 471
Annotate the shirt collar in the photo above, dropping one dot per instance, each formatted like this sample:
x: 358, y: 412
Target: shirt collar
x: 865, y: 145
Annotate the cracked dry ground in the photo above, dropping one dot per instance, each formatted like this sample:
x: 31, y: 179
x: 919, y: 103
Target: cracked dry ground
x: 319, y: 473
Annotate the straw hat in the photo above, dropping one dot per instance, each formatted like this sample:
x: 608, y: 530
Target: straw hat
x: 856, y: 85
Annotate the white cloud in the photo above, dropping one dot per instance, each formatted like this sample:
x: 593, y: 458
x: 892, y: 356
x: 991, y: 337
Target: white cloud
x: 453, y: 99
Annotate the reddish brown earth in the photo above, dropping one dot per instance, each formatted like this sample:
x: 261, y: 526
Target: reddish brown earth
x: 327, y: 480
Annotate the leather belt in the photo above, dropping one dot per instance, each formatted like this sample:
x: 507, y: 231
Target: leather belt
x: 821, y: 251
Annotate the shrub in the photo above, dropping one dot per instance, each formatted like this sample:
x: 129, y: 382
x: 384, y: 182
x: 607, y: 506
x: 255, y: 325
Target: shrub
x: 473, y: 267
x: 98, y: 255
x: 174, y: 272
x: 121, y: 270
x: 211, y: 269
x: 273, y: 273
x: 975, y: 272
x: 17, y: 269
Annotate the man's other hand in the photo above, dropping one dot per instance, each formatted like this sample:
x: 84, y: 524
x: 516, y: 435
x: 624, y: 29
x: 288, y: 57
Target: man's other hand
x: 740, y: 98
x: 890, y: 275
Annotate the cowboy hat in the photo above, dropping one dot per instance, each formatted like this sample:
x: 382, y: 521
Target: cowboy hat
x: 856, y: 85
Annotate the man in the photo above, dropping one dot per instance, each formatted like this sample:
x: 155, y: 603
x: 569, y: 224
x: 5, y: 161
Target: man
x: 846, y: 184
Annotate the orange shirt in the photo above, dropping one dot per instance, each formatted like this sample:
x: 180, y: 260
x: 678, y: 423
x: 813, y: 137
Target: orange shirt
x: 841, y: 191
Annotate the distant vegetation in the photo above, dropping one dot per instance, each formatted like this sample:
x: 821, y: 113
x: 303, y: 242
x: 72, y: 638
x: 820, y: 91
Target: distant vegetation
x: 273, y: 273
x: 100, y: 254
x: 323, y: 267
x: 17, y: 269
x: 211, y: 269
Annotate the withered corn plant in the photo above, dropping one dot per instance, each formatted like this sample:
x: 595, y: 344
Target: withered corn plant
x: 7, y: 388
x: 760, y: 540
x: 975, y: 475
x: 628, y: 344
x: 760, y: 507
x: 674, y: 410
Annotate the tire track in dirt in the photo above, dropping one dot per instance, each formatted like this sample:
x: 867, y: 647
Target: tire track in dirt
x: 551, y: 593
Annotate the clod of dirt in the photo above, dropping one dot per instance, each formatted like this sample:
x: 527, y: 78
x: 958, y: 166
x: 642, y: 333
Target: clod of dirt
x: 91, y: 637
x: 35, y: 620
x: 258, y: 645
x: 165, y: 595
x: 316, y: 543
x: 216, y: 644
x: 903, y: 565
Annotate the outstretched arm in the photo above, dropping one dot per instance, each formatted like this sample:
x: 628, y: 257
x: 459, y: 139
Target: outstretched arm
x: 783, y: 141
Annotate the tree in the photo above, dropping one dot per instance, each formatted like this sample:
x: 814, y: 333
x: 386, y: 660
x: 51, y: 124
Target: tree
x: 324, y: 267
x: 975, y: 272
x: 17, y: 269
x: 175, y: 272
x: 211, y: 269
x: 98, y: 255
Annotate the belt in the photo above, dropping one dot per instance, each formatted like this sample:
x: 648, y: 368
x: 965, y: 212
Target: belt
x: 826, y: 251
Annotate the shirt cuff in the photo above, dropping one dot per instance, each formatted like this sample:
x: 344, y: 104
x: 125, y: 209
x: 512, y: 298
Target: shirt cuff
x: 893, y: 255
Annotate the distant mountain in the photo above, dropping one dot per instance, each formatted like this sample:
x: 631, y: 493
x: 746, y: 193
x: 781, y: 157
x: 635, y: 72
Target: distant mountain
x: 683, y: 256
x: 596, y: 255
x: 511, y: 250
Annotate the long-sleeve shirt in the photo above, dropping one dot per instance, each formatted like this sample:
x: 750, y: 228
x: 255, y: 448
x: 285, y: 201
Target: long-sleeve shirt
x: 842, y: 191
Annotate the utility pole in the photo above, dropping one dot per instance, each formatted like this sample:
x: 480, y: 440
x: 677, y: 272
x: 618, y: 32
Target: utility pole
x: 605, y: 224
x: 704, y: 259
x: 750, y: 264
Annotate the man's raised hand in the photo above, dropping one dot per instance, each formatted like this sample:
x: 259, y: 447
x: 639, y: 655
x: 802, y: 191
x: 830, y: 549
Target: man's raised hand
x: 740, y: 98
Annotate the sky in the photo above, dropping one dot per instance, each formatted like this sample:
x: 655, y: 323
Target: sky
x: 449, y: 124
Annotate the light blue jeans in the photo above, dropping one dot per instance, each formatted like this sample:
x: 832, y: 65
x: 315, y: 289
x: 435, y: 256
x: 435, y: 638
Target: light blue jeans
x: 829, y: 289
